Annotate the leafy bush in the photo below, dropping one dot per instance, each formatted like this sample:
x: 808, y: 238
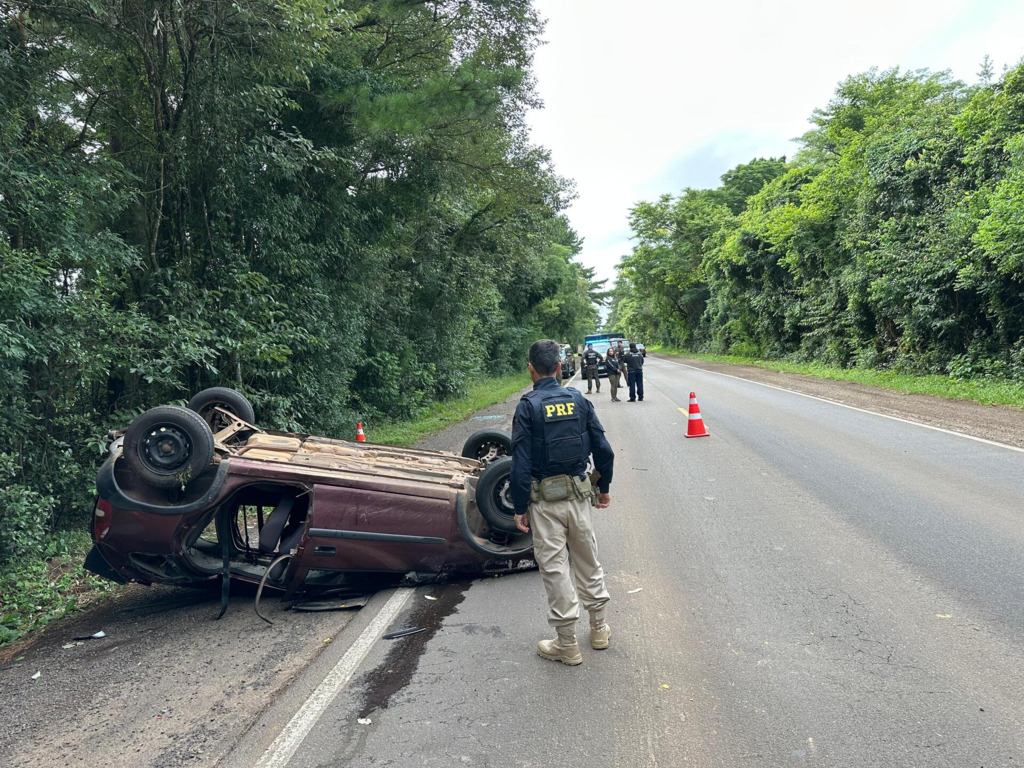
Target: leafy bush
x: 25, y: 518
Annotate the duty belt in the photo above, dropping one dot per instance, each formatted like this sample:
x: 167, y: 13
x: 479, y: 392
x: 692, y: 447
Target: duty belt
x: 560, y: 487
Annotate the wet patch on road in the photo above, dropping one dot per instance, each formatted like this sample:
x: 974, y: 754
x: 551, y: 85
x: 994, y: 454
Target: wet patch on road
x: 403, y: 658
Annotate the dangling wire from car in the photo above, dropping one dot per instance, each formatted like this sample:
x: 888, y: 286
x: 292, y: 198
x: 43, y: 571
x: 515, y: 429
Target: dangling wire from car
x: 259, y: 591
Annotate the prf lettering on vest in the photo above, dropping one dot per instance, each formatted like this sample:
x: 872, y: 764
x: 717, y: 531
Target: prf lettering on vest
x: 559, y: 409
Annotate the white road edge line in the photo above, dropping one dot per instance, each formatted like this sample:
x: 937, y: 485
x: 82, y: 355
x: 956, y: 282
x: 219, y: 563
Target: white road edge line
x: 292, y: 735
x: 851, y: 407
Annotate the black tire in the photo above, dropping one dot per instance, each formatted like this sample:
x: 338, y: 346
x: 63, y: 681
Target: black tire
x: 167, y: 446
x: 206, y: 402
x: 493, y: 498
x: 487, y: 445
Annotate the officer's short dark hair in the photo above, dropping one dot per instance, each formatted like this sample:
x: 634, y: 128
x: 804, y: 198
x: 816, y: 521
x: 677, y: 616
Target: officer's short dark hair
x: 632, y: 348
x: 544, y: 357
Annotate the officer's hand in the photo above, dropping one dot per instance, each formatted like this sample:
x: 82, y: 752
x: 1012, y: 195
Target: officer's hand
x: 603, y: 500
x: 523, y: 522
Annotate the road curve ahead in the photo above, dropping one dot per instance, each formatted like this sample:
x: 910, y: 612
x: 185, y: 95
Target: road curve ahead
x: 809, y: 586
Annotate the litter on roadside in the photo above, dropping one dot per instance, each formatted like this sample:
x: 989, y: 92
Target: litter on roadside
x: 95, y: 636
x: 37, y: 675
x: 364, y: 721
x: 634, y: 591
x: 75, y: 644
x: 404, y: 632
x: 430, y: 597
x: 339, y: 604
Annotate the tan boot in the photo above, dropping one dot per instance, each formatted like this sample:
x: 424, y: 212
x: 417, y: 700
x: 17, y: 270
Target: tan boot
x: 563, y: 648
x: 600, y: 637
x: 600, y: 632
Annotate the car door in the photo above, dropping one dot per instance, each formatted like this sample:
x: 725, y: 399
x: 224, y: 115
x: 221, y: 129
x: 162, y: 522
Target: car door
x: 377, y: 529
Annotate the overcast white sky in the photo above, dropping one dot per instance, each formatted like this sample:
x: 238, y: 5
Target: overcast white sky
x: 652, y: 96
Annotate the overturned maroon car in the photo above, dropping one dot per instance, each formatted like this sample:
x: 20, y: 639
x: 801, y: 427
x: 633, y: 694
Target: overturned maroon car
x: 192, y: 495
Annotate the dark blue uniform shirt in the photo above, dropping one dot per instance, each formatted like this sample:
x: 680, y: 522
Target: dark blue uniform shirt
x: 528, y: 434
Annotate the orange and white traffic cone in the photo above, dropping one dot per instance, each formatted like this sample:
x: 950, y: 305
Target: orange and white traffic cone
x: 360, y: 435
x: 695, y: 424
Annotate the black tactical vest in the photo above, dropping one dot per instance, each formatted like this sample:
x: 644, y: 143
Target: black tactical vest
x: 560, y: 442
x: 590, y: 359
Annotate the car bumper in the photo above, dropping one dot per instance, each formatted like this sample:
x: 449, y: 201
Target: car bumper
x: 97, y: 563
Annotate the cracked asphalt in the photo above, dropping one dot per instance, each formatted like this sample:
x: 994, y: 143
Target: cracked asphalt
x: 810, y: 586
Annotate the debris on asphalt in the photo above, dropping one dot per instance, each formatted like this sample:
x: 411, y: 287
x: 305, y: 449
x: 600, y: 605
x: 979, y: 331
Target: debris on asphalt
x: 404, y: 632
x: 665, y: 686
x: 943, y: 616
x: 430, y: 597
x: 75, y: 644
x: 95, y: 636
x: 634, y: 591
x: 37, y: 675
x: 338, y: 604
x: 364, y: 721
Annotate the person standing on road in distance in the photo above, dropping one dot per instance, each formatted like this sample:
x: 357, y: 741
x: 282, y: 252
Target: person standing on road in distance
x: 554, y: 431
x: 634, y: 363
x: 612, y: 364
x: 590, y: 361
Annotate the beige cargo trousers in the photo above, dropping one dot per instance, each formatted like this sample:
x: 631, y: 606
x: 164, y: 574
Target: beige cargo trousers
x: 565, y: 548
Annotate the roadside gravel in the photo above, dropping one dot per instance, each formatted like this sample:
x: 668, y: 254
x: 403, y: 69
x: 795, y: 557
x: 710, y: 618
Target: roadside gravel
x: 168, y: 686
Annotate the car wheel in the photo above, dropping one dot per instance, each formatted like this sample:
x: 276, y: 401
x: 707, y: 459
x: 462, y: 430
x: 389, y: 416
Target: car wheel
x: 209, y: 400
x: 167, y: 446
x: 487, y: 445
x: 493, y: 496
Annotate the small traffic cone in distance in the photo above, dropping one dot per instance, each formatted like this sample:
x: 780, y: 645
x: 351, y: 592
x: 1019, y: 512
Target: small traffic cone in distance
x: 695, y: 424
x: 360, y: 435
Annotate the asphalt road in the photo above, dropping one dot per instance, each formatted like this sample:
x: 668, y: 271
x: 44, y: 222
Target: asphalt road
x: 812, y: 585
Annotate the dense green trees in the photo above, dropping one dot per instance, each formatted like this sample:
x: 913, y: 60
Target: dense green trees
x: 332, y: 206
x: 895, y: 237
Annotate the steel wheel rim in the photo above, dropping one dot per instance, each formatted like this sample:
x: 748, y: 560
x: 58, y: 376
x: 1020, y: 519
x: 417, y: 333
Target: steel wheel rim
x: 503, y: 497
x: 165, y: 449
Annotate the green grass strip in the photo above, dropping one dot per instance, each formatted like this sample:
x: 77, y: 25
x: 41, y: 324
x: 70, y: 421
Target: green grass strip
x: 985, y: 390
x: 482, y: 393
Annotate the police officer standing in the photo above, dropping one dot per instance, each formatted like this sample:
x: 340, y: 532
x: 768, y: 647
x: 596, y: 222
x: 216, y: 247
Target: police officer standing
x: 590, y: 362
x: 634, y: 363
x: 554, y: 432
